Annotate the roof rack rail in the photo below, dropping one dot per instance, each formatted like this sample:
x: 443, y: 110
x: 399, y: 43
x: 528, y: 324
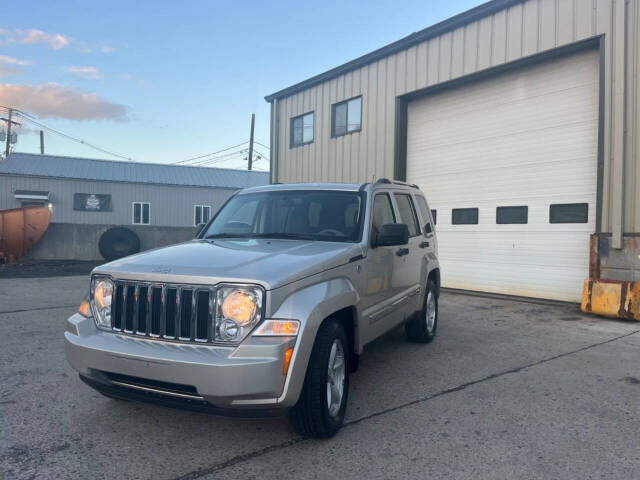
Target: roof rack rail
x: 396, y: 182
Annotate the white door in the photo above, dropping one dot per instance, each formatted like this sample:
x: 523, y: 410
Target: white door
x: 526, y: 138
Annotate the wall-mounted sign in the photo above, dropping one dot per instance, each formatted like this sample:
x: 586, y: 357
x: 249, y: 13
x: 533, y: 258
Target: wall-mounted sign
x: 92, y: 202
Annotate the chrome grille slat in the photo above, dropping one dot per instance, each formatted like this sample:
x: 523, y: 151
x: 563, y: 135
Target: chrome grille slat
x: 194, y: 314
x: 146, y: 309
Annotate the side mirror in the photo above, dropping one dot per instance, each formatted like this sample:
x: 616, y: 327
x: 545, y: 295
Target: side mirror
x: 428, y: 229
x: 199, y: 228
x: 392, y: 234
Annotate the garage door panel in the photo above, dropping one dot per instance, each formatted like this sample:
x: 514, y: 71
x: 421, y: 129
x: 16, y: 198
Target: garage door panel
x: 524, y: 138
x: 527, y: 147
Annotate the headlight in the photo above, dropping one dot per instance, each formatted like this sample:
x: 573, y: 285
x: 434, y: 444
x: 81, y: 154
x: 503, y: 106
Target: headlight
x: 101, y: 294
x: 239, y: 310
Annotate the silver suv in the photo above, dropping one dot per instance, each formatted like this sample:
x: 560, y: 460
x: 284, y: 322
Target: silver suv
x: 269, y: 307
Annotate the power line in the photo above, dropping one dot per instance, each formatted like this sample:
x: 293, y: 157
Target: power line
x: 208, y: 154
x: 81, y: 141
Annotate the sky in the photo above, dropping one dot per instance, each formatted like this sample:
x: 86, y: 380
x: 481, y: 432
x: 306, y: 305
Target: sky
x: 159, y: 81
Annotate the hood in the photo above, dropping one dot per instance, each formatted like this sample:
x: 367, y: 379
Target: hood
x: 268, y: 262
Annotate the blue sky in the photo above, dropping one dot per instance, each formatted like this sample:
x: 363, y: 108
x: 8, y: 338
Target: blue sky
x: 165, y: 81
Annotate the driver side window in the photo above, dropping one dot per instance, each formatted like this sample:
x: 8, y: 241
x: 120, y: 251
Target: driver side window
x: 382, y: 212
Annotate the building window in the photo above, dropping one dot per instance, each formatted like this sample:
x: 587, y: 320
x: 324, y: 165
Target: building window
x: 509, y: 215
x: 464, y: 216
x: 201, y: 214
x: 407, y: 213
x: 434, y: 215
x: 346, y: 117
x: 141, y: 213
x: 302, y: 130
x: 569, y: 213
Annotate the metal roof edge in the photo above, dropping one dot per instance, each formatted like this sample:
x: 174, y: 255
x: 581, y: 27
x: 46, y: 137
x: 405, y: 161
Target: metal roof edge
x: 440, y: 28
x: 135, y: 163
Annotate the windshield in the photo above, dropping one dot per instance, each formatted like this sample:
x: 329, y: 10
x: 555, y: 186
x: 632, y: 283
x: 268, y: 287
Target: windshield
x: 334, y: 216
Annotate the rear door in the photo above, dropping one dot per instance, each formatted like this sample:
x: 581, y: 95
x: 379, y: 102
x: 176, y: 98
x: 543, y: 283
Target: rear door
x: 410, y: 260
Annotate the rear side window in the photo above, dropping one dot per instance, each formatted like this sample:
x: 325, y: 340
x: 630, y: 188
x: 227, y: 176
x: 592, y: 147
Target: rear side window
x: 407, y: 213
x: 464, y: 216
x: 569, y: 213
x: 382, y: 211
x: 424, y: 210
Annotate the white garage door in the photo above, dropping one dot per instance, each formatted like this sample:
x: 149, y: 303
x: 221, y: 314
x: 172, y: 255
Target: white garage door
x: 527, y: 138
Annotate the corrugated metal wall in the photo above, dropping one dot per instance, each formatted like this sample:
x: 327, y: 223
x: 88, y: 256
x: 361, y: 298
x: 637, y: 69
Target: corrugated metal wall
x: 170, y: 206
x: 525, y: 29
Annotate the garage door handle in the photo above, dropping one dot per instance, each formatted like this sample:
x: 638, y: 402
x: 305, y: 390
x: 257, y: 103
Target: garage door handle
x: 402, y: 251
x: 424, y: 244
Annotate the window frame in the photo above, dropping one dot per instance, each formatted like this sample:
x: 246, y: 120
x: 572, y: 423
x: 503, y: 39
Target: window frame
x: 313, y: 129
x: 477, y: 210
x: 195, y: 207
x: 133, y: 212
x: 333, y: 117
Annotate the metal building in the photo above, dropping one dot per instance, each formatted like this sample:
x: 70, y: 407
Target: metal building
x: 520, y: 121
x: 160, y: 203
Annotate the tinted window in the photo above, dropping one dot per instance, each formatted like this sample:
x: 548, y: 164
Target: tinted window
x: 505, y: 215
x: 464, y: 216
x: 424, y: 210
x: 382, y: 212
x: 291, y: 214
x: 569, y: 213
x: 407, y: 213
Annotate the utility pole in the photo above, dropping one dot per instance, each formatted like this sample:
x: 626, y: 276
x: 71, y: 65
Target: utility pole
x: 41, y: 142
x: 253, y: 122
x: 6, y: 152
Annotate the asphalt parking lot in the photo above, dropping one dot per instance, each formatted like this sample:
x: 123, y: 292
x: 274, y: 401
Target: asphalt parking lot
x: 508, y: 389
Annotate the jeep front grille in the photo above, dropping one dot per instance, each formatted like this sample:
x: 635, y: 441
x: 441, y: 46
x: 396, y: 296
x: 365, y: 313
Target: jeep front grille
x: 167, y: 311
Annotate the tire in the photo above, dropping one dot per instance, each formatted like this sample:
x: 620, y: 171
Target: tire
x: 118, y: 242
x: 312, y: 416
x: 420, y: 328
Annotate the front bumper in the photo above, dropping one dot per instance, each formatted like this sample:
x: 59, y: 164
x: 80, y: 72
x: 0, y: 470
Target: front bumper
x: 247, y: 376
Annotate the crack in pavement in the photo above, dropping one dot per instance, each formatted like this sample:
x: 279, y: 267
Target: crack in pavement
x: 36, y: 309
x: 280, y: 446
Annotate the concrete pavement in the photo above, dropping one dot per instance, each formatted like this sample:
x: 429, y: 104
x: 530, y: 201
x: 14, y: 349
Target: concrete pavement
x: 508, y: 390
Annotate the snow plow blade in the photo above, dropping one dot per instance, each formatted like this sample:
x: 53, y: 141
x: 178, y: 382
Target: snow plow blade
x: 20, y: 229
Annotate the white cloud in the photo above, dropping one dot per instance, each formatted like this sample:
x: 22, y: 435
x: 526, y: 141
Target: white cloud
x: 53, y: 100
x: 89, y: 72
x: 33, y: 36
x: 6, y: 71
x: 106, y: 49
x: 13, y: 61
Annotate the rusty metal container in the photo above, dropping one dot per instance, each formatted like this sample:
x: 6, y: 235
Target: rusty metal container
x: 20, y: 229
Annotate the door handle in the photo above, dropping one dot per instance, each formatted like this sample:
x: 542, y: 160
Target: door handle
x: 402, y: 251
x: 424, y: 244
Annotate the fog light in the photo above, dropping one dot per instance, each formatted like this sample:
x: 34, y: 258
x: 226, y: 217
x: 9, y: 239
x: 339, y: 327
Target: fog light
x: 229, y: 330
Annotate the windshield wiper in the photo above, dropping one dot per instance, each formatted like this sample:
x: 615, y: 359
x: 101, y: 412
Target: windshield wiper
x: 228, y: 235
x: 286, y: 236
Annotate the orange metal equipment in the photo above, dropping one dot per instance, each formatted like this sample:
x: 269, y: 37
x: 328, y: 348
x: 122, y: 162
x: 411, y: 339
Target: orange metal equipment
x: 20, y: 229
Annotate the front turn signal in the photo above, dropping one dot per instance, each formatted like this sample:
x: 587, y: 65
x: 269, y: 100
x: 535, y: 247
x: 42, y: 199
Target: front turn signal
x: 278, y: 328
x: 83, y: 309
x: 287, y: 361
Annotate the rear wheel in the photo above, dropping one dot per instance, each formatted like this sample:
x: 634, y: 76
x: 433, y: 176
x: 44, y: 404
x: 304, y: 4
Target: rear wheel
x: 323, y: 401
x: 422, y: 328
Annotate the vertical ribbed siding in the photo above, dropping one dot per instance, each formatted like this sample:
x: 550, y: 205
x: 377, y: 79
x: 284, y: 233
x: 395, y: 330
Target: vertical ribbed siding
x: 523, y: 29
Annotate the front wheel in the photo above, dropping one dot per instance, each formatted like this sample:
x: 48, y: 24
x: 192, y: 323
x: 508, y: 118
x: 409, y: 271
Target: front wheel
x: 323, y: 401
x: 422, y: 328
